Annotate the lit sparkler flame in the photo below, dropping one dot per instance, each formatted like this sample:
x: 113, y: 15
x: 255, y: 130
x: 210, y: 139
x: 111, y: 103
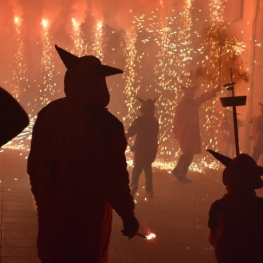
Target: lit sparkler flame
x: 151, y: 236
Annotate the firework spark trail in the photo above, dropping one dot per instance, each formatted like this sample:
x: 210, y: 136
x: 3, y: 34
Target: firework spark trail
x: 98, y: 44
x: 173, y: 35
x: 219, y: 50
x: 20, y: 66
x: 165, y: 84
x: 130, y: 74
x: 213, y: 61
x: 184, y: 37
x: 80, y: 48
x: 47, y: 66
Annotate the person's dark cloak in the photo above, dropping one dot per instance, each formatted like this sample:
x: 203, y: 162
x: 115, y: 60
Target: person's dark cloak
x: 77, y: 169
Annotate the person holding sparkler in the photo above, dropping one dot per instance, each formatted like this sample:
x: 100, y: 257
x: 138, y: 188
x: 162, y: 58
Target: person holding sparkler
x: 186, y: 129
x: 235, y: 220
x: 146, y: 129
x: 77, y: 168
x: 13, y: 118
x: 257, y: 134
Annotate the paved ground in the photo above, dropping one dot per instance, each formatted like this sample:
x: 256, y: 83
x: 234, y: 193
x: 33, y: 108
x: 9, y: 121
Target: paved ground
x: 177, y: 215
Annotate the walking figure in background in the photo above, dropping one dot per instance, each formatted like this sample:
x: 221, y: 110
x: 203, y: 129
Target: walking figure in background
x: 77, y: 168
x: 257, y: 134
x: 146, y: 129
x: 235, y: 221
x: 186, y: 129
x: 13, y: 118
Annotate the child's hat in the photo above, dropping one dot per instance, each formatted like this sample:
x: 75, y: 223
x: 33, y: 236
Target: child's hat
x: 240, y: 172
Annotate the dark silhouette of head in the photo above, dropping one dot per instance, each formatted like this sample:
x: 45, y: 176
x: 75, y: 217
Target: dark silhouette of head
x: 85, y: 78
x: 189, y: 92
x: 242, y: 172
x: 148, y: 106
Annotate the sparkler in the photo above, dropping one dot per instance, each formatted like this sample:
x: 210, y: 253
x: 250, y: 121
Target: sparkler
x: 148, y: 237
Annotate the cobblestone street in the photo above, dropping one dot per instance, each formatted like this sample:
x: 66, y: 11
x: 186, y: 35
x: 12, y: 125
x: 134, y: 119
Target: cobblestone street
x: 177, y: 214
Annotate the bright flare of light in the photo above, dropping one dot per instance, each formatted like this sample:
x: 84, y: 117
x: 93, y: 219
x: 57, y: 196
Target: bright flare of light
x: 151, y: 236
x: 44, y: 23
x: 99, y: 25
x: 17, y: 20
x: 75, y: 23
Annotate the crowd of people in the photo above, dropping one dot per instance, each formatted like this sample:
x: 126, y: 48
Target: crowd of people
x: 78, y: 171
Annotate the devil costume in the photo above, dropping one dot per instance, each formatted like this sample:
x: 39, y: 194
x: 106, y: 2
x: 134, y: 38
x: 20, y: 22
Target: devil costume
x: 235, y: 221
x: 146, y: 129
x: 186, y: 129
x: 77, y: 168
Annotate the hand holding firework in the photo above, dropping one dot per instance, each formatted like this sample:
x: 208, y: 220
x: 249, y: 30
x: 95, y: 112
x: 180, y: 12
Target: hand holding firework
x: 130, y: 226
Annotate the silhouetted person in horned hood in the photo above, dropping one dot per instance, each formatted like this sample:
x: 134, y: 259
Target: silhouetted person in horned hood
x: 186, y: 129
x: 257, y: 134
x: 77, y: 168
x: 146, y: 129
x: 13, y: 118
x: 235, y: 221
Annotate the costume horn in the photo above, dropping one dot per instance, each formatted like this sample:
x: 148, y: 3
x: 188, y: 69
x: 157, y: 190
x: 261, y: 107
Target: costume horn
x: 141, y: 100
x: 67, y: 58
x: 220, y: 157
x: 226, y: 160
x: 183, y: 87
